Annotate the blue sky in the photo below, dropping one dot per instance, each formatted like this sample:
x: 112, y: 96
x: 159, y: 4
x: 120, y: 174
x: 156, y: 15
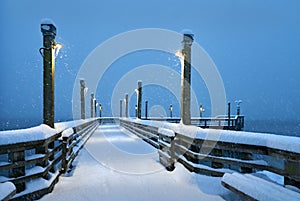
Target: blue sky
x: 254, y: 44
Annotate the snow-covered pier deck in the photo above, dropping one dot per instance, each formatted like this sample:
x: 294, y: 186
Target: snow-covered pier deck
x: 134, y: 159
x: 116, y: 165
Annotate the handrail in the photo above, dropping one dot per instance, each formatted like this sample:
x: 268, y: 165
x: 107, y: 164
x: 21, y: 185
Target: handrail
x: 232, y: 151
x: 42, y: 158
x: 235, y: 122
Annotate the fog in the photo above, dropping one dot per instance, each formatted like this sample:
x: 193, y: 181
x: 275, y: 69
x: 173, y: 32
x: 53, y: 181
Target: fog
x: 254, y: 45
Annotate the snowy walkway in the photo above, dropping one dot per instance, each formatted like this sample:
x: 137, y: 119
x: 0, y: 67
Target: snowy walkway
x: 116, y: 165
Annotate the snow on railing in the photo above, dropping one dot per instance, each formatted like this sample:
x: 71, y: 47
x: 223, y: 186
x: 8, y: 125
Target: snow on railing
x: 216, y: 152
x: 39, y: 155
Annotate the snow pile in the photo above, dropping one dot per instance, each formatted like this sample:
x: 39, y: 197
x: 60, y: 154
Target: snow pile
x: 67, y: 132
x: 166, y: 132
x: 258, y: 188
x: 70, y: 124
x: 40, y: 132
x: 47, y: 21
x: 25, y: 135
x: 6, y: 189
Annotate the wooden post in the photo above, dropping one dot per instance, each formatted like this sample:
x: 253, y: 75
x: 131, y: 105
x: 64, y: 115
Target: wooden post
x: 216, y: 152
x: 186, y: 79
x: 171, y: 111
x: 139, y: 100
x: 49, y: 33
x: 201, y: 111
x: 82, y: 99
x: 146, y: 109
x: 92, y: 105
x: 100, y: 113
x: 15, y: 157
x: 43, y: 149
x: 51, y: 145
x: 126, y: 105
x: 136, y: 111
x: 95, y: 108
x: 246, y: 156
x: 64, y: 155
x: 228, y: 115
x: 292, y: 168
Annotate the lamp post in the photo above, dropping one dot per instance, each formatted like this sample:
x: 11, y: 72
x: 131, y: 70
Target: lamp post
x: 187, y: 42
x: 139, y: 100
x: 48, y: 52
x: 95, y: 110
x: 171, y: 111
x: 238, y: 107
x: 92, y: 105
x: 228, y: 115
x: 82, y: 99
x: 146, y: 109
x: 126, y: 105
x: 201, y: 111
x: 121, y: 103
x: 100, y: 110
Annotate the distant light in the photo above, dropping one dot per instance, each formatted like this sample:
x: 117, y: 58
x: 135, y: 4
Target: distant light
x: 85, y: 90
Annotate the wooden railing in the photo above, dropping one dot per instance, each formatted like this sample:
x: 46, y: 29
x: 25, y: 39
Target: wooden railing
x: 220, y: 151
x: 221, y: 122
x: 33, y: 164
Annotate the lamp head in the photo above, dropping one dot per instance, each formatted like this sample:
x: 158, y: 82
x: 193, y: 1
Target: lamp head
x: 48, y: 29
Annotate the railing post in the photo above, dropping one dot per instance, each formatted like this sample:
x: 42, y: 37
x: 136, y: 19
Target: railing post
x: 49, y: 32
x: 51, y: 145
x: 15, y: 157
x: 166, y: 136
x: 188, y: 39
x: 82, y: 99
x: 291, y: 168
x: 217, y: 152
x: 246, y: 156
x: 64, y: 155
x: 43, y: 149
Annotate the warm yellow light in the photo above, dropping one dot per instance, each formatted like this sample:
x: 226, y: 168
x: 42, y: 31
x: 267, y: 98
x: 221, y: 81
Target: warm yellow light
x: 57, y: 48
x: 180, y: 55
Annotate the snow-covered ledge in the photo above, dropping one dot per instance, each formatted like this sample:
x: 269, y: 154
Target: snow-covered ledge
x: 215, y: 152
x: 281, y: 142
x: 39, y: 151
